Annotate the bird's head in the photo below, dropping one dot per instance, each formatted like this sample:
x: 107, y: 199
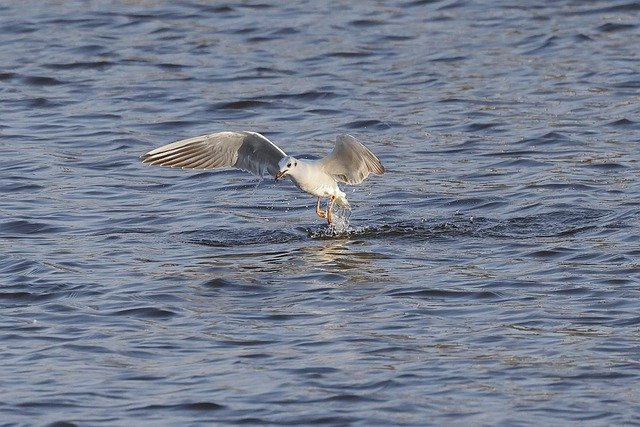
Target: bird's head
x: 285, y: 166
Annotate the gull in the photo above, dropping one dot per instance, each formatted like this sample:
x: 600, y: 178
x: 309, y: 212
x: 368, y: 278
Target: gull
x: 350, y: 162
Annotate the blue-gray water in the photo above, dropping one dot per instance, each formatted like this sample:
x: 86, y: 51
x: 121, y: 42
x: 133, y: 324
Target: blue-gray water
x: 491, y: 277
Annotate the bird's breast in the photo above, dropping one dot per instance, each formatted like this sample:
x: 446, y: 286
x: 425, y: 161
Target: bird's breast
x: 318, y: 189
x: 324, y: 190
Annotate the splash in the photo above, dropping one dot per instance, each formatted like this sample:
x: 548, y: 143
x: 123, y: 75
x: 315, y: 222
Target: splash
x: 340, y: 220
x: 339, y: 226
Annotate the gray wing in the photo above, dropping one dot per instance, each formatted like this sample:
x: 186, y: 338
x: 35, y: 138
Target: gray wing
x: 350, y: 161
x: 248, y: 151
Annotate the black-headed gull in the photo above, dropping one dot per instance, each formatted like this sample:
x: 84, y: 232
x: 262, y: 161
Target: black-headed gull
x: 350, y: 162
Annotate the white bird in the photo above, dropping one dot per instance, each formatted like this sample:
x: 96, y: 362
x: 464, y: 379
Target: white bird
x: 350, y: 162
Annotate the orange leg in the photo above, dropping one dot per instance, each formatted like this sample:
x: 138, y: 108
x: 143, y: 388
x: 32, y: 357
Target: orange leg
x: 329, y: 207
x: 321, y: 214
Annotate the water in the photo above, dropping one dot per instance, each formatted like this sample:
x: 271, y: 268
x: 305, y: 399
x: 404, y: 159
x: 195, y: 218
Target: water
x: 491, y: 277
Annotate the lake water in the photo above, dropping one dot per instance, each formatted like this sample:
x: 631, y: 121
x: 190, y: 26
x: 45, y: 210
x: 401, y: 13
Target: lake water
x: 490, y: 277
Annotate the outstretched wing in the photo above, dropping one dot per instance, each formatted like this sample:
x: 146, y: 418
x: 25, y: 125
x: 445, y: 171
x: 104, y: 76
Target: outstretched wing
x: 350, y: 161
x: 248, y: 151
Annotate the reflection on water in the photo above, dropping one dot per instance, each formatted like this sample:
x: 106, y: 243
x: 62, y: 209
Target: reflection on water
x: 337, y: 260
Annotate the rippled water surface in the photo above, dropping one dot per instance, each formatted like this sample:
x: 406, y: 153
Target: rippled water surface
x: 490, y: 277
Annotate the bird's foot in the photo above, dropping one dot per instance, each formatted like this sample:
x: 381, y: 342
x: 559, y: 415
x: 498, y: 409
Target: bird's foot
x: 329, y: 207
x: 320, y: 213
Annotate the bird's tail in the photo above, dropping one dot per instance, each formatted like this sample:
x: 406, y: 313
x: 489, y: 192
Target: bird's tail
x: 341, y: 201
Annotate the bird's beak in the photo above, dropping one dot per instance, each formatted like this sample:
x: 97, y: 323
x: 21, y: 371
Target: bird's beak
x: 280, y: 174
